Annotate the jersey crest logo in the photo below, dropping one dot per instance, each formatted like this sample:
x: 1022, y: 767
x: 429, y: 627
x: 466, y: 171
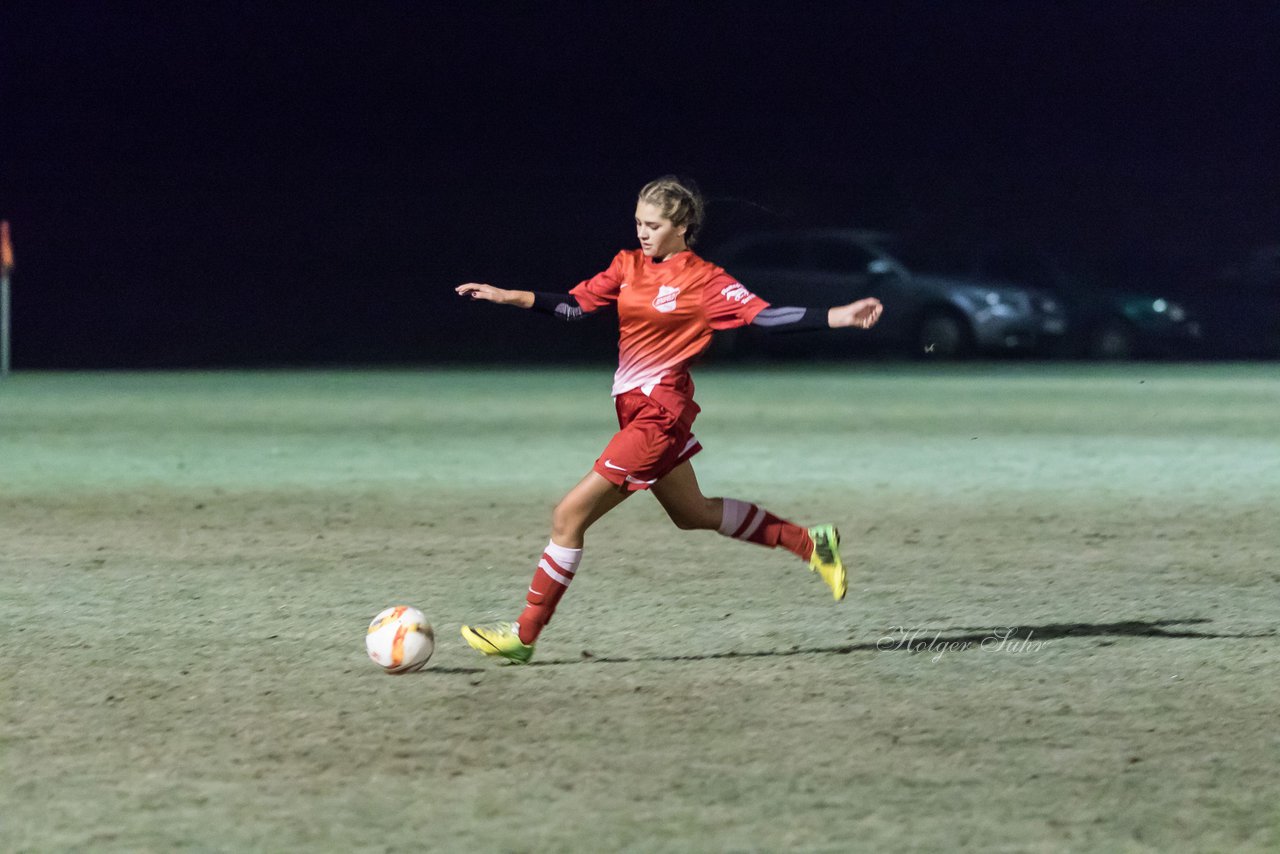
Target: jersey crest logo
x: 737, y: 293
x: 665, y: 301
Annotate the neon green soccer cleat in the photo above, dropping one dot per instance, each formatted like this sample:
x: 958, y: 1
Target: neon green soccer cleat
x: 501, y: 639
x: 825, y: 559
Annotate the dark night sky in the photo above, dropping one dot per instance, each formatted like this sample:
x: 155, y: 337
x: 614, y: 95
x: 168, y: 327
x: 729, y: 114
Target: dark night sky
x: 245, y: 183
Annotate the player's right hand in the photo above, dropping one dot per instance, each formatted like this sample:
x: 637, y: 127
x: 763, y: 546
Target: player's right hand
x: 477, y: 290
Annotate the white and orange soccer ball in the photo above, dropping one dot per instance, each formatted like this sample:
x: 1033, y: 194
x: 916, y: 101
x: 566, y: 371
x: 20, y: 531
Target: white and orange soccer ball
x: 400, y: 640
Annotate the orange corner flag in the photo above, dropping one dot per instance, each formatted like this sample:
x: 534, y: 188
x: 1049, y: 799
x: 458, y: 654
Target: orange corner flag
x: 6, y: 248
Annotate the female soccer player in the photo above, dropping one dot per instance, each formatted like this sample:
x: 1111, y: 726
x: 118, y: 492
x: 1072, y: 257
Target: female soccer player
x: 669, y: 302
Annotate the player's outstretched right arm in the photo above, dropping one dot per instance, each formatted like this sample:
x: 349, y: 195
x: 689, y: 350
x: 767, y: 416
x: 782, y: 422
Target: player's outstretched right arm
x: 477, y: 290
x: 562, y: 306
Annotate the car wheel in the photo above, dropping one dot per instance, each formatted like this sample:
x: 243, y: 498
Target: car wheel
x: 1112, y: 340
x: 943, y: 336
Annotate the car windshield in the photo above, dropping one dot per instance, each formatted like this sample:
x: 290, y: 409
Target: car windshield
x: 926, y: 257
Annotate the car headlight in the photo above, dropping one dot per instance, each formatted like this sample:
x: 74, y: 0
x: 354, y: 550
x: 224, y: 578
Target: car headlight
x: 1000, y: 297
x: 989, y: 302
x: 1171, y: 310
x: 997, y: 304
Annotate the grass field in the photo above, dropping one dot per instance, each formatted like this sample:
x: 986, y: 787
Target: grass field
x: 189, y: 561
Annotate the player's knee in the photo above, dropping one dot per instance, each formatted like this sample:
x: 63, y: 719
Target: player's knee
x: 566, y: 522
x: 701, y: 517
x: 686, y: 523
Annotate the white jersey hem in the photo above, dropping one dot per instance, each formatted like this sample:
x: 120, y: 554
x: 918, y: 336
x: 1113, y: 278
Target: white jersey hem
x: 645, y: 384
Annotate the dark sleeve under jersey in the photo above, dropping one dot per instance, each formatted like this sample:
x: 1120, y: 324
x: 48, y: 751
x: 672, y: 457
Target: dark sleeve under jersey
x: 790, y: 318
x: 562, y: 306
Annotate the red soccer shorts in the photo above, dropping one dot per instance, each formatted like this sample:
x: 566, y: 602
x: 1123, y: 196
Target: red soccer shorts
x: 653, y: 441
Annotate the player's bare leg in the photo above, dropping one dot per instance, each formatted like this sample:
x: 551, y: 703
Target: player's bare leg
x: 581, y: 507
x: 682, y: 498
x: 590, y: 499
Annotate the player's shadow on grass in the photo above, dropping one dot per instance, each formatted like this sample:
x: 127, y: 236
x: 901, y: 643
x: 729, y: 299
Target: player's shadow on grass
x: 956, y: 638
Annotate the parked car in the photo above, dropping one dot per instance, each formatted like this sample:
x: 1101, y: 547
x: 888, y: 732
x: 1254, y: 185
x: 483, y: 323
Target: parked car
x: 926, y: 314
x: 1239, y: 302
x: 1104, y: 322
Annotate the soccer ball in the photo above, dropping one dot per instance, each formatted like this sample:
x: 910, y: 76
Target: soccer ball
x: 400, y: 639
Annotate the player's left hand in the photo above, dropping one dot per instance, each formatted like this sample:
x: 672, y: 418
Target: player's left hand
x: 862, y: 314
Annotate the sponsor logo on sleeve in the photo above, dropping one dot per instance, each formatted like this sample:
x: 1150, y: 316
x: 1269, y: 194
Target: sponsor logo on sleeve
x: 737, y: 293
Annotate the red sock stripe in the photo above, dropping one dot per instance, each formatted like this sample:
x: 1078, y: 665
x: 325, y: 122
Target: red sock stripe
x: 557, y: 567
x: 765, y: 529
x: 746, y: 523
x: 544, y: 595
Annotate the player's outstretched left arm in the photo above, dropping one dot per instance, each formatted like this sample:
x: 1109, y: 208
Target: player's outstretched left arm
x: 860, y: 314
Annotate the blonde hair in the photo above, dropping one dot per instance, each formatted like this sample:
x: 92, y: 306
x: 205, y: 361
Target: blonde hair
x: 680, y: 201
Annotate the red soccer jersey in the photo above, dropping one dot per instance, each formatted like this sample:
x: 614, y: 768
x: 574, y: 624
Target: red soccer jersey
x: 667, y: 311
